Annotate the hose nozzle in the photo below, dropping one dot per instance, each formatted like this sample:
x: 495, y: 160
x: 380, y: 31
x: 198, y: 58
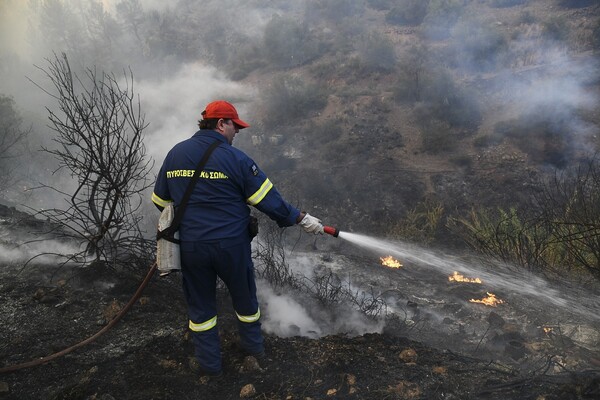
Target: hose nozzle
x: 330, y: 230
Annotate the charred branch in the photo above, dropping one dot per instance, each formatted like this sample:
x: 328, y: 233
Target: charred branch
x: 99, y: 143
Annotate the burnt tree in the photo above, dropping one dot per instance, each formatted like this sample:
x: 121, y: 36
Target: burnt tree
x: 99, y: 142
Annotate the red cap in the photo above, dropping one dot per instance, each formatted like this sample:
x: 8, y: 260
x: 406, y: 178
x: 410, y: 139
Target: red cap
x: 223, y: 109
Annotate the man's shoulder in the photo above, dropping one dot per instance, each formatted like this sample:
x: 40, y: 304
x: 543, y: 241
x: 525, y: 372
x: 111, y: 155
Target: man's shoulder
x: 233, y: 152
x: 183, y: 144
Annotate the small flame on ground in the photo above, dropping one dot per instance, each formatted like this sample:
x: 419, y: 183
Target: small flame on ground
x: 456, y: 277
x: 389, y: 261
x: 491, y: 300
x: 547, y: 330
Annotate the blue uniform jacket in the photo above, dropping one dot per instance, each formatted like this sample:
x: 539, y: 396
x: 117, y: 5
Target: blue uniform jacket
x: 218, y: 208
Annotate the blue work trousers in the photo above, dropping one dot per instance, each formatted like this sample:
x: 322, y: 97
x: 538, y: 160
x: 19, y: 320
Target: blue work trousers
x: 230, y: 260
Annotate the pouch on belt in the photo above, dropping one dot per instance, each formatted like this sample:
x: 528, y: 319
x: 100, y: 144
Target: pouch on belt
x: 168, y: 257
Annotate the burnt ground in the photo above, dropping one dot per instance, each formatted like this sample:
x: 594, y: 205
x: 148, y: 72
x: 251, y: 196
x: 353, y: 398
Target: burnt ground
x: 146, y: 355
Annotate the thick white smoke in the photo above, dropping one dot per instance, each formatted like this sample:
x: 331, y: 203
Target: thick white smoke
x: 20, y: 247
x: 285, y: 317
x: 173, y: 105
x: 554, y: 88
x: 298, y: 313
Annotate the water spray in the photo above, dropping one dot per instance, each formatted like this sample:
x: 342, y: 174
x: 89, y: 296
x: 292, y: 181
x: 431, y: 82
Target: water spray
x: 507, y: 279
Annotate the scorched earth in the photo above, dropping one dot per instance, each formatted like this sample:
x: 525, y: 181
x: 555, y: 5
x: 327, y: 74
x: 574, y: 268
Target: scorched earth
x: 146, y: 354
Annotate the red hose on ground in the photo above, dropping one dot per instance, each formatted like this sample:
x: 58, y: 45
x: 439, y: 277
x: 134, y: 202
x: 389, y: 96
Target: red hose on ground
x: 112, y: 323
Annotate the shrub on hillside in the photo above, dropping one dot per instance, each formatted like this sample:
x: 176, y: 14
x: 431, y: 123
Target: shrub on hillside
x: 478, y: 44
x: 411, y: 74
x: 334, y: 10
x: 445, y: 101
x: 282, y: 163
x: 506, y: 3
x: 441, y: 17
x: 288, y: 42
x: 557, y: 232
x: 486, y: 140
x: 421, y: 224
x: 545, y: 141
x: 376, y: 52
x: 380, y: 4
x: 437, y: 138
x: 577, y: 3
x: 596, y: 36
x: 568, y: 205
x: 408, y: 12
x: 289, y: 98
x: 327, y: 131
x: 507, y: 235
x: 556, y: 28
x: 462, y: 160
x: 406, y: 89
x: 243, y: 59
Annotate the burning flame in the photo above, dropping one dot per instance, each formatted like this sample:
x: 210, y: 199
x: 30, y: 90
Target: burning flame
x: 456, y: 277
x: 491, y: 300
x: 547, y: 330
x: 389, y: 261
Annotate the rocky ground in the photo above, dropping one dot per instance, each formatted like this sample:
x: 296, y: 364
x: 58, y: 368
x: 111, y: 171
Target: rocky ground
x: 146, y: 354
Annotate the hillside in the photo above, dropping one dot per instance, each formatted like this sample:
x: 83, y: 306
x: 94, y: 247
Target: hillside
x: 367, y: 112
x: 471, y: 117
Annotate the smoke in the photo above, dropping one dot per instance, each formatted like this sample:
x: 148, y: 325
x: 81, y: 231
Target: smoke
x: 297, y: 314
x: 158, y: 5
x: 300, y: 313
x: 13, y: 32
x: 21, y: 247
x: 46, y: 251
x: 172, y: 97
x: 173, y: 106
x: 533, y: 76
x: 554, y: 87
x: 285, y: 317
x: 172, y: 101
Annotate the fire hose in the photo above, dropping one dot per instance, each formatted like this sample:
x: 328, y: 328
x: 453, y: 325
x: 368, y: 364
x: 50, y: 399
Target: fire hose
x: 90, y: 339
x: 12, y: 368
x: 330, y: 230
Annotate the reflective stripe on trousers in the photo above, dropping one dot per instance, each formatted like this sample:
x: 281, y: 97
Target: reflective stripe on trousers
x: 249, y: 318
x: 203, y: 326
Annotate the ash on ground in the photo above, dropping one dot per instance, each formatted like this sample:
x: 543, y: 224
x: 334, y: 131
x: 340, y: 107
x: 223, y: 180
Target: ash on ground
x: 146, y: 355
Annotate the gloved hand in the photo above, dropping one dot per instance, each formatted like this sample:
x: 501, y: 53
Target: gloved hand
x: 311, y: 224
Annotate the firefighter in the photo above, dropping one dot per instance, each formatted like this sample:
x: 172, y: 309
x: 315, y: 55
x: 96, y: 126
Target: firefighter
x: 214, y: 236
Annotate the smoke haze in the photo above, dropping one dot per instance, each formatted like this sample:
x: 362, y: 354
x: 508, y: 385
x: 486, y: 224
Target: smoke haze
x: 21, y: 247
x: 184, y: 54
x: 173, y: 105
